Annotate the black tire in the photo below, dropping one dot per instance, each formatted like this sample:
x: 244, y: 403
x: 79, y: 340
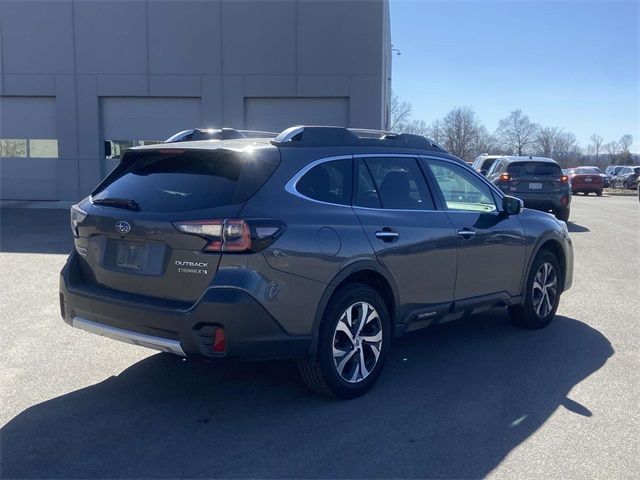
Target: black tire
x: 599, y: 193
x: 321, y: 374
x: 525, y: 315
x: 625, y: 185
x: 563, y: 214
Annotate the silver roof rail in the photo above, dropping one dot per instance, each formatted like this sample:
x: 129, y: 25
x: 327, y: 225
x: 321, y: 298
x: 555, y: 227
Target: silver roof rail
x: 317, y: 136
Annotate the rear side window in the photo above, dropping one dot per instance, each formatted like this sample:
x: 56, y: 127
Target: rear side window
x: 328, y: 182
x: 174, y: 180
x: 399, y: 183
x: 538, y: 169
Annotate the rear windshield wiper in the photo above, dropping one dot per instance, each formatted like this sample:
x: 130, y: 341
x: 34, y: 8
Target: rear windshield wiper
x: 118, y: 203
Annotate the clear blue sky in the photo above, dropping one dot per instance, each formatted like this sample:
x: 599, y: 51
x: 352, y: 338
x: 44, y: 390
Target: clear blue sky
x: 570, y: 64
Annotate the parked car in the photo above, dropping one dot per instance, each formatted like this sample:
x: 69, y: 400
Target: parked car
x: 627, y: 178
x: 319, y: 246
x: 586, y: 180
x: 483, y: 163
x: 538, y: 181
x: 610, y: 172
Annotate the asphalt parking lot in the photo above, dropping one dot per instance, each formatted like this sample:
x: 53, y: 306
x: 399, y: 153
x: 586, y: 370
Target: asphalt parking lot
x: 471, y: 398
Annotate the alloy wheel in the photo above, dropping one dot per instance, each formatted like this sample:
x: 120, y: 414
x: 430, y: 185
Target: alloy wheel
x: 545, y: 290
x: 357, y: 342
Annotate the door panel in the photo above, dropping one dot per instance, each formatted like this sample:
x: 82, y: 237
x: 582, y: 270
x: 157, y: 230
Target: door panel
x: 492, y: 260
x: 491, y: 244
x: 417, y: 245
x: 422, y: 258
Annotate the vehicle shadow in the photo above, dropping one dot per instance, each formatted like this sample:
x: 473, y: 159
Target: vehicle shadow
x: 452, y: 402
x: 32, y: 230
x: 575, y: 228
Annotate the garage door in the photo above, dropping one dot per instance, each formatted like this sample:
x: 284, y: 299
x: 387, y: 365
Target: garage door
x: 130, y: 121
x: 276, y: 114
x: 28, y: 148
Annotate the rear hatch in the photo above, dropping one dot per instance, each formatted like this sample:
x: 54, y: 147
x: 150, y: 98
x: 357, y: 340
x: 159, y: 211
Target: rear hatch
x: 129, y: 242
x: 533, y: 177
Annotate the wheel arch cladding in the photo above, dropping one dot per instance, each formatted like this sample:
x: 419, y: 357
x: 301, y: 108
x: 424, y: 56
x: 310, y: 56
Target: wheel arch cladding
x: 366, y: 273
x: 554, y: 247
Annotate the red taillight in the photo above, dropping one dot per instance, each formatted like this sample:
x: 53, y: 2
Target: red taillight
x: 233, y: 235
x: 236, y: 236
x: 219, y: 341
x: 505, y: 177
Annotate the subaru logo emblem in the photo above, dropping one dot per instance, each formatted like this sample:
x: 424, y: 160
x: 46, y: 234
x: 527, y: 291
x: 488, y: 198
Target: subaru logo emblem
x: 123, y: 227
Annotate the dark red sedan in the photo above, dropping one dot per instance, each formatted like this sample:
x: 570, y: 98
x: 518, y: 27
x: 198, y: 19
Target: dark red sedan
x: 586, y: 180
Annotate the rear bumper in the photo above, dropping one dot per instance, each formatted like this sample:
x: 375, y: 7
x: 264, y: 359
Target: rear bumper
x: 587, y: 187
x: 250, y: 331
x: 546, y: 201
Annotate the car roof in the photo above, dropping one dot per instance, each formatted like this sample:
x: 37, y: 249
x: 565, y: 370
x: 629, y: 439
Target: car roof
x: 528, y: 158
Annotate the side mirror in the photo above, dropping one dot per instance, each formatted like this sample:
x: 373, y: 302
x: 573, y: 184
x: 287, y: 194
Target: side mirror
x: 512, y: 205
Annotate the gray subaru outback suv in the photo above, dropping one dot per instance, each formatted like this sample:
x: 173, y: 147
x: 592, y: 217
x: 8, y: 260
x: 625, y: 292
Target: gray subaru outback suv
x: 320, y: 245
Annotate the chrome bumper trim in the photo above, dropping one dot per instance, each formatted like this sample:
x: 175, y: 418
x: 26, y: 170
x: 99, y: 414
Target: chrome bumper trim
x: 127, y: 336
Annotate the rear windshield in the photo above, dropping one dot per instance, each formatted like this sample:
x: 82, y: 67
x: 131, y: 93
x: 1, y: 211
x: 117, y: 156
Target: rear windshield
x: 180, y: 180
x: 588, y: 171
x: 538, y: 169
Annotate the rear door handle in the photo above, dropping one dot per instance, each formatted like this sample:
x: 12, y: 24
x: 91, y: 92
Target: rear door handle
x: 466, y: 233
x: 387, y: 235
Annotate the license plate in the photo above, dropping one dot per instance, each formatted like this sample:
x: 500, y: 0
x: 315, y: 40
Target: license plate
x: 132, y: 255
x: 588, y: 179
x: 535, y: 186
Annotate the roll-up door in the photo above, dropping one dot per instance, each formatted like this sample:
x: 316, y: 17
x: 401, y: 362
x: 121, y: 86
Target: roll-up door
x: 28, y: 148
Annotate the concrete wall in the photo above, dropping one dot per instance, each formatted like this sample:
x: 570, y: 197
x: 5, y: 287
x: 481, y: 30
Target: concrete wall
x: 89, y: 56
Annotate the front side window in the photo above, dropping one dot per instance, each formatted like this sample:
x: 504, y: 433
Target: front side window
x: 460, y: 189
x: 399, y: 183
x: 328, y: 182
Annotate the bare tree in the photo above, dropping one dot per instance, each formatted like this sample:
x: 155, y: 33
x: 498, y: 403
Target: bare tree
x: 400, y: 113
x: 516, y: 132
x: 625, y: 142
x: 545, y: 141
x: 460, y: 132
x: 597, y: 143
x: 417, y: 127
x: 565, y: 148
x: 486, y: 142
x: 612, y: 150
x: 436, y: 131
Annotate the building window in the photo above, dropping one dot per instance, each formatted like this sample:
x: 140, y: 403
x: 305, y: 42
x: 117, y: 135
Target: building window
x: 28, y: 148
x: 113, y: 149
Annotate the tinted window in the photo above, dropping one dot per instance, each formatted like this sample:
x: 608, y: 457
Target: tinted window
x: 538, y: 169
x: 487, y: 163
x: 588, y: 171
x: 461, y: 189
x: 636, y: 170
x: 366, y: 193
x: 175, y: 180
x: 328, y: 182
x: 399, y: 183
